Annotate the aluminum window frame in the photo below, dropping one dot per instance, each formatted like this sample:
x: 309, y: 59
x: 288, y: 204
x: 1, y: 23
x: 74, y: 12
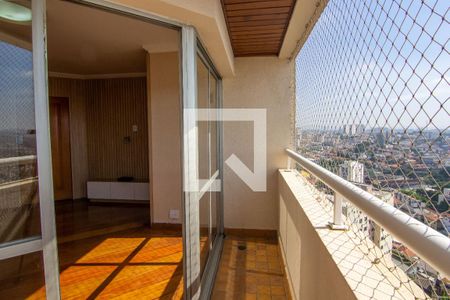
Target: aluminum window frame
x: 46, y: 242
x: 212, y: 264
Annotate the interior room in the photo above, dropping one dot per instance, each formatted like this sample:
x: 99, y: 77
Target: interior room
x: 114, y: 103
x: 99, y: 116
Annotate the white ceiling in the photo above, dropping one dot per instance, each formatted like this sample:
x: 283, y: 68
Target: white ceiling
x: 86, y: 41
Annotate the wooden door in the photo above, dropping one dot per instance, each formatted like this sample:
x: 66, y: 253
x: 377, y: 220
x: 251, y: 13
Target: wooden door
x: 61, y: 159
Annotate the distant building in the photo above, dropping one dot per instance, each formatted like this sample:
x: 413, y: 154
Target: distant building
x: 431, y: 218
x: 381, y: 140
x: 352, y: 171
x: 380, y: 237
x: 444, y: 196
x: 409, y: 201
x: 446, y: 225
x: 353, y: 129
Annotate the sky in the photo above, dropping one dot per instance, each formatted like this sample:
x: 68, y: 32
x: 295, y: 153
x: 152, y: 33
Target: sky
x: 362, y: 64
x: 16, y: 88
x: 377, y: 63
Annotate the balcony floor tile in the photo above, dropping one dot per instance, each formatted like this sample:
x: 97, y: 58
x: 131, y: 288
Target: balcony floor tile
x: 255, y: 272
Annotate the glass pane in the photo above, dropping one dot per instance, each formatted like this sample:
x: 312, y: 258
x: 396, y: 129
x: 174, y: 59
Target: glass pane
x: 213, y: 125
x: 19, y: 211
x: 22, y: 277
x: 204, y: 230
x: 202, y: 102
x: 203, y: 160
x: 214, y: 213
x: 214, y: 141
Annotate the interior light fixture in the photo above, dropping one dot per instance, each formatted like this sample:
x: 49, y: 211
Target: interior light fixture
x: 14, y: 12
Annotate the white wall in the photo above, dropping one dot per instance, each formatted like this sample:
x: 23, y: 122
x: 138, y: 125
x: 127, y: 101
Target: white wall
x: 165, y: 135
x: 264, y: 82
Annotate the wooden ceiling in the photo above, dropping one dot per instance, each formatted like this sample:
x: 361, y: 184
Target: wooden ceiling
x: 257, y: 27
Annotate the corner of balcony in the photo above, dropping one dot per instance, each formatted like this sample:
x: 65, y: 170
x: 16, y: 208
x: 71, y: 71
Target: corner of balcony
x: 322, y: 263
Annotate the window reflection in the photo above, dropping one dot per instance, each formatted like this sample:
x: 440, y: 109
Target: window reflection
x: 19, y: 213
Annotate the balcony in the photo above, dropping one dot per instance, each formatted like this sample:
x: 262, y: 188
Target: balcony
x: 143, y: 149
x: 310, y: 250
x: 366, y: 268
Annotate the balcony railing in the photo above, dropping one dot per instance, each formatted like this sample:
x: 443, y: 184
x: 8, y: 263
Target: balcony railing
x: 18, y: 191
x: 17, y: 169
x: 429, y: 244
x: 18, y: 160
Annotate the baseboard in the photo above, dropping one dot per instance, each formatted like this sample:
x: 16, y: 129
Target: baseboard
x: 241, y: 232
x: 118, y: 201
x: 263, y: 233
x: 167, y: 226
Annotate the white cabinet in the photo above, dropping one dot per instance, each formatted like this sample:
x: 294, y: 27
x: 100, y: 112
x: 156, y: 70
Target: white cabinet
x: 141, y: 191
x: 98, y: 190
x: 122, y: 190
x: 118, y: 191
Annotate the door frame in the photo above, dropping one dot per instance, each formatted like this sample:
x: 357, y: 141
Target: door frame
x: 46, y: 242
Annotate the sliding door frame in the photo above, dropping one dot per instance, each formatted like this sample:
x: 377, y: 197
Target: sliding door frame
x: 44, y: 154
x: 189, y: 152
x: 194, y: 286
x: 211, y: 267
x: 188, y: 98
x: 46, y: 242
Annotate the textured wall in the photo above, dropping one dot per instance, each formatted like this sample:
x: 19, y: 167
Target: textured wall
x: 263, y: 82
x: 102, y: 113
x: 113, y: 107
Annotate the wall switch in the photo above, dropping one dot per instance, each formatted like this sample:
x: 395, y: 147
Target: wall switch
x: 135, y: 128
x: 174, y: 214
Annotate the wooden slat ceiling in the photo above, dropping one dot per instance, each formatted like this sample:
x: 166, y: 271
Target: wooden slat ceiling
x: 257, y: 27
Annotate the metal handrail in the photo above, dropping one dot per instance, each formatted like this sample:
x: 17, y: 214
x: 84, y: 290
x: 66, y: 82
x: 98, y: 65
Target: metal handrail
x: 430, y: 245
x: 18, y: 160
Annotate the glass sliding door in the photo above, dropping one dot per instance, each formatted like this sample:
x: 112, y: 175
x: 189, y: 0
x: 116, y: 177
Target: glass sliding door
x: 216, y: 172
x: 209, y: 168
x: 204, y: 167
x: 208, y: 149
x: 202, y: 171
x: 27, y: 230
x: 190, y: 172
x: 28, y: 249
